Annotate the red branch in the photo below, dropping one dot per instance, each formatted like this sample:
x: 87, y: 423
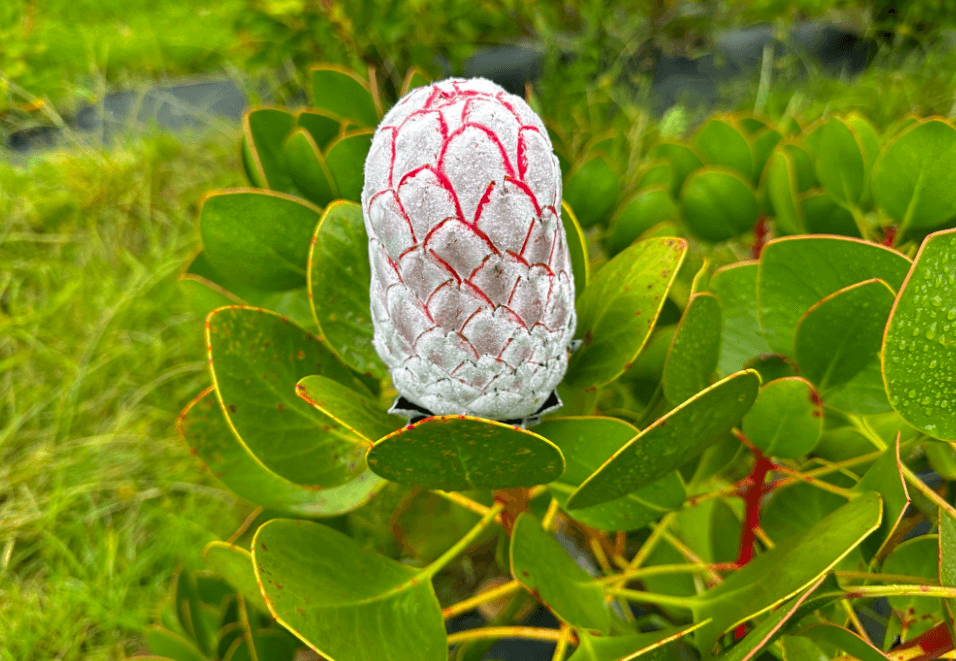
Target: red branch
x: 889, y: 235
x: 933, y: 644
x: 752, y: 495
x: 761, y: 230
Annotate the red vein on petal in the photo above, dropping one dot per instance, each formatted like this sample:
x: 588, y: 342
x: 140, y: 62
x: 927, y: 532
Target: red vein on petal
x: 485, y: 198
x: 509, y: 169
x: 527, y: 190
x: 480, y: 293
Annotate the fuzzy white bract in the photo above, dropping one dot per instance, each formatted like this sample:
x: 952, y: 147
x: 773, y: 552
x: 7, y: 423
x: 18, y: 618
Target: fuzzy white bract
x: 472, y: 295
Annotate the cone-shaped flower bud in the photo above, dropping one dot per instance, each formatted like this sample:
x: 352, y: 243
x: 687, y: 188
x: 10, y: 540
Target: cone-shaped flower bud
x: 472, y: 294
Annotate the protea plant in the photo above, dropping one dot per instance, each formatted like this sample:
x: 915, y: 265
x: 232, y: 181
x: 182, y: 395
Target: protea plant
x: 472, y: 295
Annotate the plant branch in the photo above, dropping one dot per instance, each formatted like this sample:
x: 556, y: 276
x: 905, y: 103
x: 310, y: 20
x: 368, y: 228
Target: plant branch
x: 527, y: 633
x: 465, y: 502
x: 653, y: 598
x: 503, y: 590
x: 462, y: 543
x: 562, y: 647
x: 921, y: 486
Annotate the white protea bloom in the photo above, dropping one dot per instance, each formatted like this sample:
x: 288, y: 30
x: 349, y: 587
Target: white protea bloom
x: 472, y: 292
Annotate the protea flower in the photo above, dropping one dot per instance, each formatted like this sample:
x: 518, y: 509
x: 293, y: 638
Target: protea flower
x: 472, y: 294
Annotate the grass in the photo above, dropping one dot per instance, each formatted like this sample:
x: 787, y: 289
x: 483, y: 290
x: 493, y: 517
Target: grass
x: 66, y: 50
x: 99, y: 500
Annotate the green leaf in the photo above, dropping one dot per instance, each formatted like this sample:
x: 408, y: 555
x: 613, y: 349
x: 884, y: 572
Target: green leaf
x: 915, y: 557
x: 885, y: 477
x: 577, y: 247
x: 919, y: 347
x: 740, y: 336
x: 721, y: 143
x: 592, y: 189
x: 671, y: 440
x: 540, y: 564
x: 768, y: 629
x: 414, y: 79
x: 190, y: 612
x: 235, y: 565
x: 168, y: 645
x: 648, y: 646
x: 798, y: 648
x: 823, y: 215
x: 460, y: 452
x: 209, y: 436
x: 322, y: 126
x: 258, y: 238
x: 947, y: 557
x: 775, y: 576
x: 586, y: 443
x: 802, y: 166
x: 346, y: 160
x: 264, y: 131
x: 845, y: 640
x: 343, y: 93
x: 203, y: 296
x: 339, y: 276
x: 763, y: 144
x: 797, y: 508
x: 308, y: 168
x: 840, y: 165
x: 257, y: 358
x: 914, y: 178
x: 346, y: 602
x: 837, y: 337
x: 796, y: 272
x: 657, y: 172
x: 637, y: 214
x: 693, y: 354
x: 683, y: 159
x: 359, y: 413
x: 781, y: 183
x: 620, y: 307
x: 786, y: 420
x: 718, y: 204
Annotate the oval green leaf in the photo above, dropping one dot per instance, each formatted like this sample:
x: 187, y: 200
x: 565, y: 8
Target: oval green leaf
x: 637, y: 214
x: 264, y: 131
x: 346, y: 160
x: 308, y: 168
x: 540, y: 564
x: 359, y: 413
x: 234, y: 564
x: 343, y: 93
x: 693, y: 353
x: 718, y: 204
x: 781, y: 184
x: 671, y: 440
x: 346, y: 602
x: 206, y: 431
x: 796, y: 272
x: 586, y: 443
x: 720, y: 143
x: 259, y: 238
x: 459, y: 452
x: 339, y: 276
x: 840, y: 164
x: 592, y: 189
x: 919, y: 347
x: 322, y: 126
x: 823, y: 215
x: 914, y: 178
x: 741, y: 339
x: 786, y: 420
x: 682, y: 158
x: 256, y: 358
x: 885, y: 477
x: 620, y: 307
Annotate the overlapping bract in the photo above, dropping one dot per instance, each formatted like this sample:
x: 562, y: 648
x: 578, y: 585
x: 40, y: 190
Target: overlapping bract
x: 472, y: 294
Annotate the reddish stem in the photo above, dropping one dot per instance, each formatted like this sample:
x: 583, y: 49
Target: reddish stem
x: 889, y: 235
x: 761, y: 230
x: 752, y: 495
x: 515, y: 501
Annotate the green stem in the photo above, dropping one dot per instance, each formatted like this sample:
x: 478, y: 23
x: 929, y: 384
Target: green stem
x: 654, y: 598
x: 920, y: 486
x: 901, y: 591
x: 463, y: 543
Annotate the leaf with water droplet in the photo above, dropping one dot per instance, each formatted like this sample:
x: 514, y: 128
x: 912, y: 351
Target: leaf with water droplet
x: 919, y: 377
